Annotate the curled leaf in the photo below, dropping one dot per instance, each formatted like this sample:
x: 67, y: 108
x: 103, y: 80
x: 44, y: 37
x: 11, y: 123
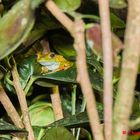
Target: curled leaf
x: 94, y: 40
x: 15, y: 26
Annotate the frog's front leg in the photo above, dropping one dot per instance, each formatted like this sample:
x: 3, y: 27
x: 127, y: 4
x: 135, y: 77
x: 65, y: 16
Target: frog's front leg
x: 44, y: 70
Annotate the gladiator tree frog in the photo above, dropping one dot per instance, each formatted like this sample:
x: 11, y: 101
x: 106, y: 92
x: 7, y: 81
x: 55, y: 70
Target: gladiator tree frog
x: 52, y: 62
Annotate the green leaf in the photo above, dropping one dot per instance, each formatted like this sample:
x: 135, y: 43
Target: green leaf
x: 78, y: 120
x: 74, y: 121
x: 68, y: 5
x: 133, y: 137
x: 116, y: 22
x: 46, y: 22
x: 44, y: 83
x: 63, y: 44
x: 35, y: 3
x: 135, y: 108
x: 27, y: 68
x: 38, y: 132
x: 6, y: 128
x: 118, y: 4
x: 3, y: 137
x: 96, y: 80
x: 58, y: 133
x: 41, y: 114
x: 92, y: 60
x: 30, y: 70
x: 85, y: 134
x: 15, y: 27
x: 68, y: 75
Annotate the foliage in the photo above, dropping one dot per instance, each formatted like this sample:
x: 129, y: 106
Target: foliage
x: 24, y: 25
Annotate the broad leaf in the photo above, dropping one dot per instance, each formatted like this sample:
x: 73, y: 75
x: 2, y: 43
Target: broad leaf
x: 16, y: 25
x: 118, y: 4
x: 58, y: 133
x: 78, y: 120
x: 6, y: 128
x: 116, y: 22
x: 68, y: 5
x: 63, y: 45
x: 41, y: 114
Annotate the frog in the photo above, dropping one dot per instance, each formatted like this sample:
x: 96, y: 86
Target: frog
x: 52, y: 62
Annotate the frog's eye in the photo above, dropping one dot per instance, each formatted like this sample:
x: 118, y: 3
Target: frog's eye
x: 52, y: 55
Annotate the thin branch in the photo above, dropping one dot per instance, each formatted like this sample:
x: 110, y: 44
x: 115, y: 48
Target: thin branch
x: 131, y: 56
x: 83, y: 78
x: 108, y: 68
x: 62, y: 18
x: 23, y: 103
x: 56, y: 103
x: 11, y: 111
x: 84, y: 81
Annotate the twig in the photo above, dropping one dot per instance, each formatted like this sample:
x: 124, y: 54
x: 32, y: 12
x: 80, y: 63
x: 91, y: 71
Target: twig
x: 23, y: 103
x: 108, y: 68
x: 84, y: 81
x: 131, y: 58
x: 11, y: 111
x: 56, y: 103
x: 62, y: 18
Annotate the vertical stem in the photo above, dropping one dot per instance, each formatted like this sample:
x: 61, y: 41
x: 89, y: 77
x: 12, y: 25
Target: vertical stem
x: 29, y: 84
x: 82, y: 110
x: 56, y: 103
x: 77, y: 31
x: 84, y: 81
x: 74, y: 103
x: 108, y: 68
x: 131, y: 57
x: 62, y: 17
x: 11, y: 111
x: 74, y: 100
x: 23, y: 103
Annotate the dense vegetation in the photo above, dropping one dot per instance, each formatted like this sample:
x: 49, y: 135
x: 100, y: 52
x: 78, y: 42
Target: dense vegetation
x: 44, y: 86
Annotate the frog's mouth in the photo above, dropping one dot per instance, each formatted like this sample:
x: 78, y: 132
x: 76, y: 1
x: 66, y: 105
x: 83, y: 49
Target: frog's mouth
x: 50, y: 65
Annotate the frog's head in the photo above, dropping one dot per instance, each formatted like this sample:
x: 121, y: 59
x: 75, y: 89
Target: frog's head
x: 48, y: 60
x: 52, y: 61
